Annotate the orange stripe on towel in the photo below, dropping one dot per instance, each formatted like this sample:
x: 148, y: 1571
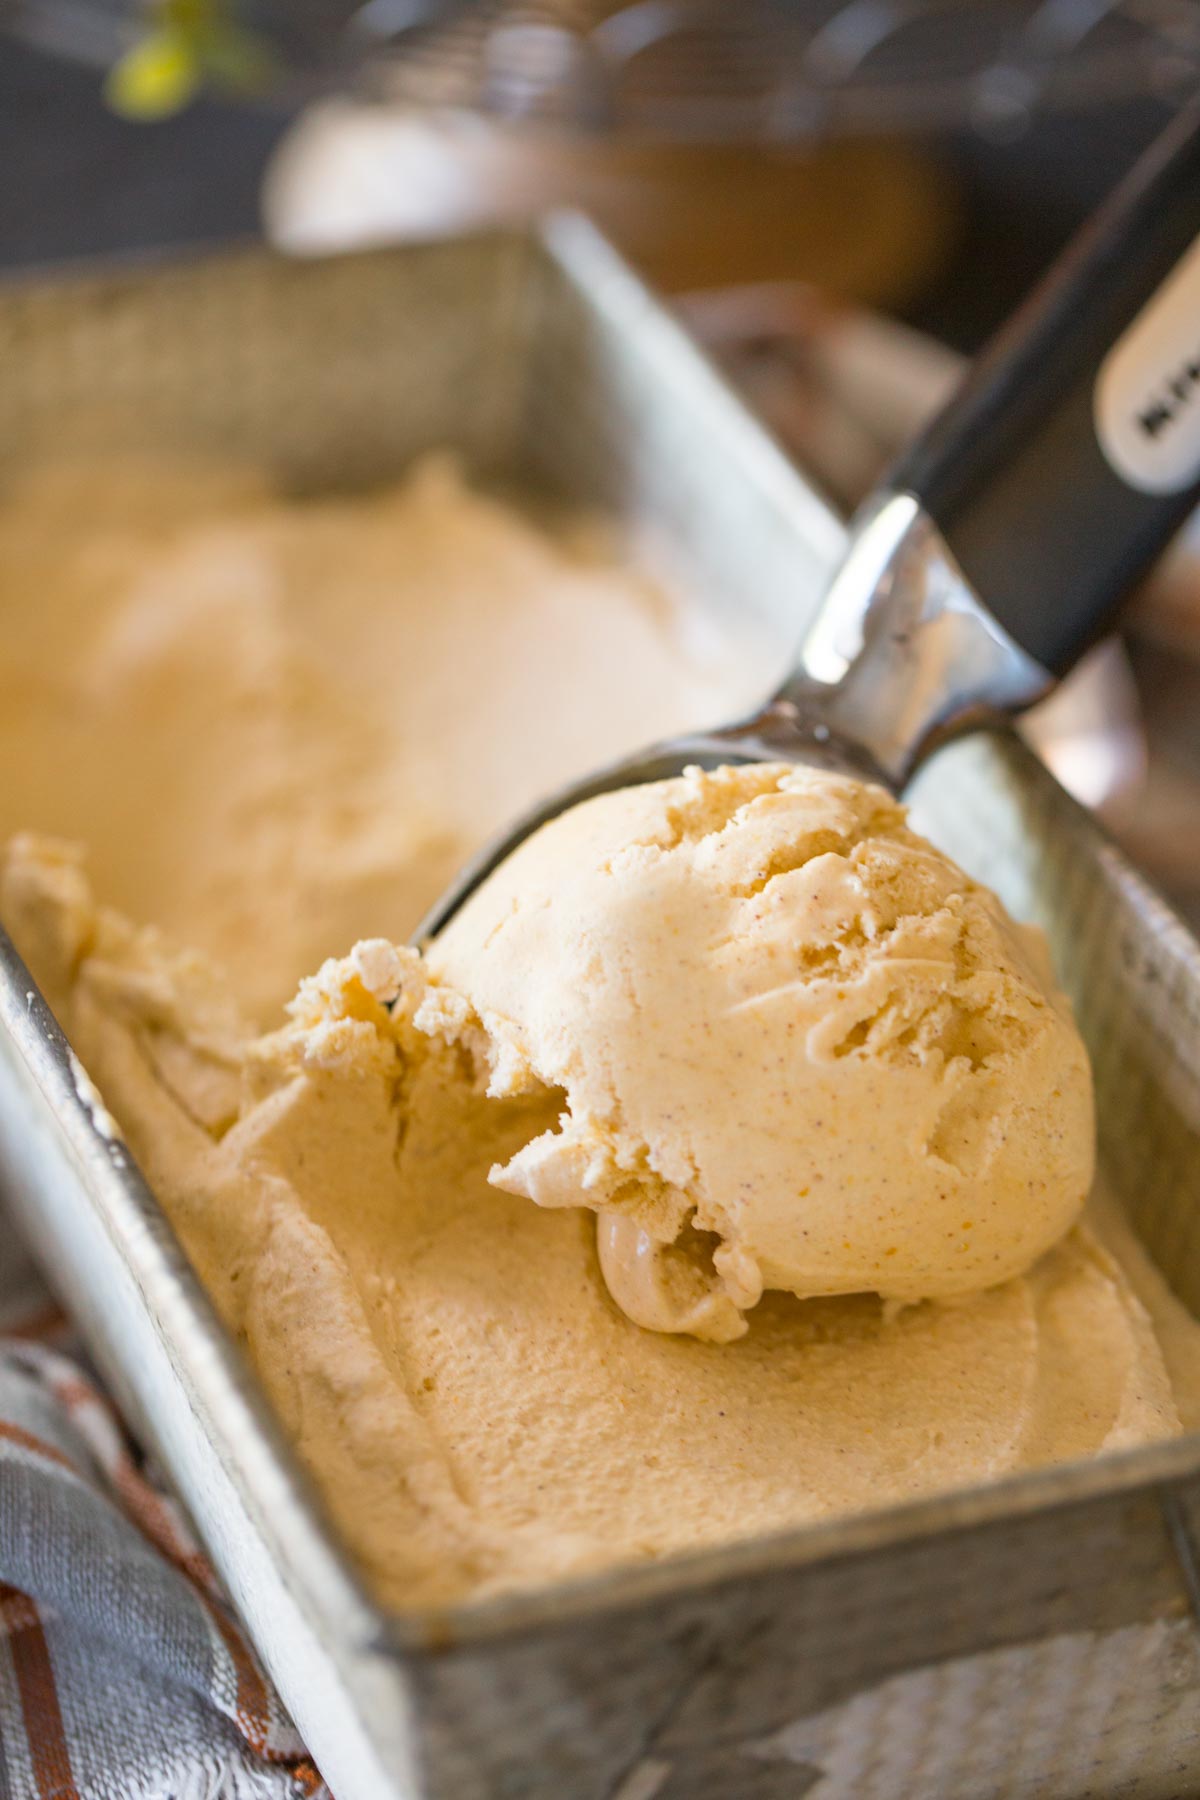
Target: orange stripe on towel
x: 16, y: 1434
x: 47, y: 1322
x: 44, y: 1729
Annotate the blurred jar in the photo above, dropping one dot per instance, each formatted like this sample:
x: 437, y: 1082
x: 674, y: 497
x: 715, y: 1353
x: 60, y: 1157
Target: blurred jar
x: 872, y: 220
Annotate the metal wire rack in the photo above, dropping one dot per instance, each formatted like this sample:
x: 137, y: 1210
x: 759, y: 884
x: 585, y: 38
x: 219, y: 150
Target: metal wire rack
x: 705, y: 70
x: 785, y: 69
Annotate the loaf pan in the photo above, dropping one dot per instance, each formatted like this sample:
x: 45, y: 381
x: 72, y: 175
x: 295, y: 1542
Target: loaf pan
x: 1037, y: 1637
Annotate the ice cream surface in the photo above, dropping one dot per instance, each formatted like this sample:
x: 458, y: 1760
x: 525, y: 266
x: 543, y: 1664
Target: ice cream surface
x: 282, y: 726
x: 254, y: 714
x: 798, y: 1047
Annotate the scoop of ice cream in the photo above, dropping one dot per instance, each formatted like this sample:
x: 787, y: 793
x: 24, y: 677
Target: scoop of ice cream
x: 798, y: 1048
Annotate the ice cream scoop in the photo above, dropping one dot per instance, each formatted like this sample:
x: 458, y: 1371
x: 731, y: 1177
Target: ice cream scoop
x: 1000, y: 546
x: 797, y: 1047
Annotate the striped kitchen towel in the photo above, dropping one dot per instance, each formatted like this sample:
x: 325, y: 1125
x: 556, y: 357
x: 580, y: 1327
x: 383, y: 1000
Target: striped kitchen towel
x: 122, y: 1673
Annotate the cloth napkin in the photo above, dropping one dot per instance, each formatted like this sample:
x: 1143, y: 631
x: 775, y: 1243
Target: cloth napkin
x: 122, y: 1673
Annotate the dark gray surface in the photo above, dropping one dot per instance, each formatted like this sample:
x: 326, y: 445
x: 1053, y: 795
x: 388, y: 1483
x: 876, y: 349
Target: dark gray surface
x: 1020, y: 203
x: 75, y: 180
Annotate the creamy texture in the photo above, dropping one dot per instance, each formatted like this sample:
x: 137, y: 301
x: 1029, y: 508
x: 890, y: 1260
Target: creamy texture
x: 782, y: 1021
x: 278, y: 726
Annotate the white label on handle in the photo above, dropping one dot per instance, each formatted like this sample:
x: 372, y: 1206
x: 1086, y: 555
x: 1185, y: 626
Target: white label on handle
x: 1147, y: 399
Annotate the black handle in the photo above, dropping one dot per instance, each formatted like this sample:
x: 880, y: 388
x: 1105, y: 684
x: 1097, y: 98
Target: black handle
x: 1072, y: 450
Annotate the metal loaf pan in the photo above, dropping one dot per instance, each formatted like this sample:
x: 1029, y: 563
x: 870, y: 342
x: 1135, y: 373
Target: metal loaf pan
x: 1037, y: 1637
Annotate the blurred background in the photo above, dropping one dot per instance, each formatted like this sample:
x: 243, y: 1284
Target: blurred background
x: 842, y: 199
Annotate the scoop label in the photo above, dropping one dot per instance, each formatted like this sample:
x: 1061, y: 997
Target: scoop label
x: 1147, y: 397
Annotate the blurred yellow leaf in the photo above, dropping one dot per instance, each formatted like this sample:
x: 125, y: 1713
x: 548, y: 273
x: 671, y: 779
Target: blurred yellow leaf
x: 192, y: 17
x: 154, y: 78
x: 187, y: 44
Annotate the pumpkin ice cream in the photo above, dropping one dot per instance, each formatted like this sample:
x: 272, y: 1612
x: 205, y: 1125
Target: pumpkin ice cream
x: 239, y: 732
x: 799, y: 1048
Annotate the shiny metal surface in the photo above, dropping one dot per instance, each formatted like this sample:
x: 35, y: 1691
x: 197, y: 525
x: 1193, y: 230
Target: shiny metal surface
x: 1037, y: 1638
x: 900, y: 658
x: 912, y: 657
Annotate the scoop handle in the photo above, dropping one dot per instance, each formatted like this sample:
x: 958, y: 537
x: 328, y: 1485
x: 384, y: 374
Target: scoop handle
x: 1072, y: 450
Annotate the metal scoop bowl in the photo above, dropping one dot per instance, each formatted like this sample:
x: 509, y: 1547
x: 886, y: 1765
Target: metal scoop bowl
x: 1000, y: 547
